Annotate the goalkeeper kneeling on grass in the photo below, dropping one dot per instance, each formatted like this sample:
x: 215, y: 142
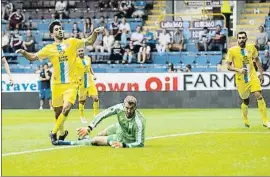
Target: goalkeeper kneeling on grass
x: 129, y: 132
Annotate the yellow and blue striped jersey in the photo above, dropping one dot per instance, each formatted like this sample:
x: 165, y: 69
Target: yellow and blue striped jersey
x: 63, y: 58
x: 83, y: 71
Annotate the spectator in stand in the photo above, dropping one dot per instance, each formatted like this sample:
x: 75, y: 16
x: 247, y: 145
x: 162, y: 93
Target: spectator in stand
x: 178, y: 41
x: 7, y: 11
x: 16, y: 20
x: 117, y: 52
x: 16, y: 41
x: 261, y: 41
x: 88, y: 27
x: 144, y: 53
x: 171, y: 68
x: 149, y: 37
x: 45, y: 86
x: 129, y: 53
x: 139, y: 9
x: 61, y: 9
x: 113, y: 4
x: 204, y: 40
x: 76, y: 32
x: 6, y: 41
x: 187, y: 69
x: 29, y: 41
x: 114, y: 27
x: 265, y: 61
x: 218, y: 39
x: 98, y: 44
x: 126, y: 9
x: 125, y: 37
x: 102, y: 22
x: 103, y: 4
x: 124, y: 25
x: 164, y: 40
x: 137, y: 38
x: 108, y: 41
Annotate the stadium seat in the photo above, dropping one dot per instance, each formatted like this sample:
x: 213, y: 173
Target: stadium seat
x: 188, y: 60
x: 159, y: 58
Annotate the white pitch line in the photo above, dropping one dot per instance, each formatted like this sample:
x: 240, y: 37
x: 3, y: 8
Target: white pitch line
x: 238, y: 132
x: 149, y: 138
x: 67, y: 147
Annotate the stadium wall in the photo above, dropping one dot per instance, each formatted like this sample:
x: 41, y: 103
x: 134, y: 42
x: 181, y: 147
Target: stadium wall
x: 153, y: 90
x: 171, y: 99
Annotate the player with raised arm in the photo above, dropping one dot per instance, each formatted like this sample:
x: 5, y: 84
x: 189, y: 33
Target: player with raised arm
x: 87, y: 87
x: 6, y: 66
x: 62, y: 54
x: 128, y: 132
x: 246, y: 78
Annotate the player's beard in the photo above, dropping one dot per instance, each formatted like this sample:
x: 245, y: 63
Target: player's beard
x: 81, y: 56
x: 242, y: 44
x: 60, y: 36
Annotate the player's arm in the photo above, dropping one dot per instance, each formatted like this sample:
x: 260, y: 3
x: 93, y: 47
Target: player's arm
x: 229, y: 65
x: 29, y: 56
x: 6, y: 66
x: 98, y: 118
x: 255, y: 56
x: 48, y: 75
x: 139, y: 137
x: 92, y: 38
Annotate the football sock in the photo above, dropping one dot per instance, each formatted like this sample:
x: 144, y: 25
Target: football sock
x: 81, y: 109
x: 244, y: 109
x: 59, y: 123
x: 96, y: 107
x: 262, y: 110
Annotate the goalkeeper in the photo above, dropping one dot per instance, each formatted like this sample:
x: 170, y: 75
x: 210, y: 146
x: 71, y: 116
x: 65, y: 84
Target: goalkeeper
x: 129, y: 132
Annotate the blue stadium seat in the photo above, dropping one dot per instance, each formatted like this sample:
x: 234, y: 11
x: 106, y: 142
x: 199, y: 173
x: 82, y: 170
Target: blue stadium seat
x: 214, y: 59
x: 99, y: 70
x: 191, y: 47
x: 159, y: 58
x: 112, y: 70
x: 22, y: 61
x: 174, y: 58
x: 188, y: 59
x: 43, y: 26
x: 202, y: 60
x: 127, y: 70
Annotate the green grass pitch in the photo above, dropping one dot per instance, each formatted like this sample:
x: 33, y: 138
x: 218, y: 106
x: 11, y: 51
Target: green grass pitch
x: 179, y: 142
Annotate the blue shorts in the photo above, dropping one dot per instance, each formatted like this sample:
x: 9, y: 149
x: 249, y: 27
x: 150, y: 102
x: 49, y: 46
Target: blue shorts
x: 45, y: 94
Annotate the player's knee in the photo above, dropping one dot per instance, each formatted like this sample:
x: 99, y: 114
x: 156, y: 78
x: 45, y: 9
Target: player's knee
x: 82, y: 102
x: 66, y: 110
x: 258, y: 95
x: 96, y: 99
x: 246, y: 101
x: 94, y: 141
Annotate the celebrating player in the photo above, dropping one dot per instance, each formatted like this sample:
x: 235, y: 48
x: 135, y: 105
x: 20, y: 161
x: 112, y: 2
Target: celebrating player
x: 87, y: 86
x: 62, y: 54
x: 6, y: 66
x: 247, y: 81
x: 129, y: 132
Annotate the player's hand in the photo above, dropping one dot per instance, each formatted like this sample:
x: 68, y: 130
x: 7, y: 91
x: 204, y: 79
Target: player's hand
x: 99, y: 29
x: 116, y: 144
x: 261, y: 78
x: 81, y: 132
x: 94, y: 78
x: 20, y: 51
x: 243, y: 71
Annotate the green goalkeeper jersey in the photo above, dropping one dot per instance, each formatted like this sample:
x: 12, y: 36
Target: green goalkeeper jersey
x: 132, y: 131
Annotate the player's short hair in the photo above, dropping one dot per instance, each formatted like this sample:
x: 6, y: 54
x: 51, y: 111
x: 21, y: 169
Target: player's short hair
x: 52, y: 24
x: 131, y: 100
x: 241, y: 32
x: 45, y: 64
